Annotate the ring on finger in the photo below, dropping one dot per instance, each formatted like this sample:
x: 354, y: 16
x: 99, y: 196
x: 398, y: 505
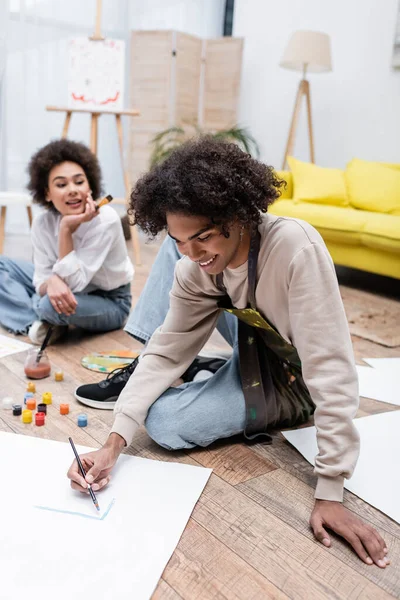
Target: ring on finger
x: 59, y: 303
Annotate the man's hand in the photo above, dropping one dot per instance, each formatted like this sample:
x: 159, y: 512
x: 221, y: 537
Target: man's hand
x: 365, y: 540
x: 62, y: 299
x: 98, y: 465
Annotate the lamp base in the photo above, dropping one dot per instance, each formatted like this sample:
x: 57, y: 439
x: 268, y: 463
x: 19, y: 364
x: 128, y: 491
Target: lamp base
x: 303, y: 90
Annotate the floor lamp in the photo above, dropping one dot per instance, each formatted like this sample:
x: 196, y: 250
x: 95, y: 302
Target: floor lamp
x: 307, y: 51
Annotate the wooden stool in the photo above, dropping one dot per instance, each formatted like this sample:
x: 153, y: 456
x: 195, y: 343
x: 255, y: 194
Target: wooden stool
x: 11, y: 199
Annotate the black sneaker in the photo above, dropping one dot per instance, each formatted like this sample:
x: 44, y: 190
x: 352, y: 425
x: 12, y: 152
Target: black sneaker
x: 203, y: 367
x: 105, y: 393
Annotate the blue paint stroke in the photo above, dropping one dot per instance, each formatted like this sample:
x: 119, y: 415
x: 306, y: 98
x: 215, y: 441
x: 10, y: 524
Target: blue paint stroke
x: 78, y: 514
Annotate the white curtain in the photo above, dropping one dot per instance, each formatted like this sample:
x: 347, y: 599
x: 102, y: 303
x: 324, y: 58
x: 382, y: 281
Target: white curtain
x: 33, y: 48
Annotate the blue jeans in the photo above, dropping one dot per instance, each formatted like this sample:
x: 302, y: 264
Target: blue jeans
x: 194, y: 413
x: 97, y: 311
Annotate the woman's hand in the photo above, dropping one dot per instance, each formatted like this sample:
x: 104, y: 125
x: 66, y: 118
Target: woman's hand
x: 365, y: 540
x: 62, y: 299
x: 72, y: 222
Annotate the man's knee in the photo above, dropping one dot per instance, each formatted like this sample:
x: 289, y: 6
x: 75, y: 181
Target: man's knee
x: 164, y: 425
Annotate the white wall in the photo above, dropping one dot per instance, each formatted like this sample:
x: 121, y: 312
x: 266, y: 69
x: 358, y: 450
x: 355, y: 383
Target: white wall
x: 36, y: 42
x: 356, y: 108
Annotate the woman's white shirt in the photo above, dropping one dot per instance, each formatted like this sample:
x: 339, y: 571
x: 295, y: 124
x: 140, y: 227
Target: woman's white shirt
x: 99, y: 259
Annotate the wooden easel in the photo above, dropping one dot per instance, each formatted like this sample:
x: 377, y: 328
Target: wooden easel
x: 95, y: 114
x: 303, y: 90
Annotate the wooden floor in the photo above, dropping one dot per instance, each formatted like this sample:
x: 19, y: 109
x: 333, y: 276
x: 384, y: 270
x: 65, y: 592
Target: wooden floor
x: 248, y: 537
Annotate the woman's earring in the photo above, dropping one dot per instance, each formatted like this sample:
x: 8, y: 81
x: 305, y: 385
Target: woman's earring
x: 241, y: 233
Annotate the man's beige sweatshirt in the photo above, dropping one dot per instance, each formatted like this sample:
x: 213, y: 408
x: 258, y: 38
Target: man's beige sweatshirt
x: 297, y: 291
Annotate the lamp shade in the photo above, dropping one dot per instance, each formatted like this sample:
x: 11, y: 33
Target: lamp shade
x: 308, y: 50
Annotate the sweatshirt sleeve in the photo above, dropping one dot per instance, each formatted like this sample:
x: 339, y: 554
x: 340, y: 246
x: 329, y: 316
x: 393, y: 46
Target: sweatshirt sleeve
x: 78, y: 267
x: 43, y: 255
x: 322, y: 338
x: 189, y: 323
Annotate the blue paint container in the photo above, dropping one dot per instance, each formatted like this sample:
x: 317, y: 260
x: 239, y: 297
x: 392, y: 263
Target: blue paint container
x: 28, y: 395
x: 82, y: 420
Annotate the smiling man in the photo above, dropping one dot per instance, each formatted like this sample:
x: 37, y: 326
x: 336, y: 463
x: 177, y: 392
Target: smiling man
x: 270, y: 287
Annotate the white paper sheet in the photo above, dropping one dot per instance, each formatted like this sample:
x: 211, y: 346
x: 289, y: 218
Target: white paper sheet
x: 387, y: 364
x: 9, y: 345
x: 376, y: 478
x: 81, y: 554
x: 379, y: 384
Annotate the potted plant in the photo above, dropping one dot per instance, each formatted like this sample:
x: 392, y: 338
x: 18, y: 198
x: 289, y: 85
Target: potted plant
x: 165, y: 142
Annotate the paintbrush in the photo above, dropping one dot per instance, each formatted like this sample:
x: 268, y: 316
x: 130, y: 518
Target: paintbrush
x: 83, y: 473
x: 44, y: 345
x: 103, y: 201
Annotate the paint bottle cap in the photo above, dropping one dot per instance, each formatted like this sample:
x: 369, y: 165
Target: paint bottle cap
x: 31, y: 403
x: 8, y: 402
x: 47, y: 398
x: 17, y: 410
x: 28, y: 395
x: 31, y: 387
x: 27, y: 416
x: 82, y: 420
x: 59, y: 376
x: 39, y: 418
x: 64, y: 409
x: 42, y: 408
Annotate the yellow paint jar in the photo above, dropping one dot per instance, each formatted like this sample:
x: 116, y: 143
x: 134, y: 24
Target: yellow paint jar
x: 27, y: 416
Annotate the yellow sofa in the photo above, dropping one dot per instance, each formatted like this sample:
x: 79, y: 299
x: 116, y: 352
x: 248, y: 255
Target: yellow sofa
x: 355, y: 238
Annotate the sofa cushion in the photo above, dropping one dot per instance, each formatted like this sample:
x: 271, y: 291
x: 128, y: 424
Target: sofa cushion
x: 345, y: 225
x: 382, y: 232
x: 317, y: 184
x: 286, y: 192
x: 373, y: 187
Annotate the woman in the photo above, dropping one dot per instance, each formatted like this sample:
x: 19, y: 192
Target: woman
x: 273, y: 284
x: 81, y: 271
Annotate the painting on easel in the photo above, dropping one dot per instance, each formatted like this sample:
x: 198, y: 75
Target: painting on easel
x: 96, y: 70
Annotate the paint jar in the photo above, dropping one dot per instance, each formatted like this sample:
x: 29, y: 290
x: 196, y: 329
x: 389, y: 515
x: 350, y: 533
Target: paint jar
x: 37, y: 370
x: 59, y: 376
x: 82, y: 420
x: 31, y: 387
x: 8, y: 402
x: 39, y: 419
x: 31, y: 403
x: 47, y: 398
x: 27, y: 416
x: 28, y: 395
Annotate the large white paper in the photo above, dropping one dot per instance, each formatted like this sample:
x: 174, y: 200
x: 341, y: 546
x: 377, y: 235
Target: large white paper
x: 376, y: 478
x: 386, y: 364
x: 379, y: 384
x: 9, y: 345
x: 64, y: 549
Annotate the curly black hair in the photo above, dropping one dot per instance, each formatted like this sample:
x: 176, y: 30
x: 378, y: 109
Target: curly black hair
x: 205, y: 177
x: 55, y: 153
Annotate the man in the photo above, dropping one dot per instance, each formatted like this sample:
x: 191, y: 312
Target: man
x: 270, y: 285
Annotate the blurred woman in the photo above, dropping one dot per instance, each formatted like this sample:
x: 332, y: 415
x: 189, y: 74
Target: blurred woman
x: 81, y: 271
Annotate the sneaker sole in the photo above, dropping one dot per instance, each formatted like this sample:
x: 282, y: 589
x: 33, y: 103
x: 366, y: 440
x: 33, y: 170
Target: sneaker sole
x: 222, y: 354
x: 105, y: 405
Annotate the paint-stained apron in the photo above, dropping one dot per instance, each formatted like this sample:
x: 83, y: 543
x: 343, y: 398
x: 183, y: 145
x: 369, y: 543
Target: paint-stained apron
x: 270, y: 368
